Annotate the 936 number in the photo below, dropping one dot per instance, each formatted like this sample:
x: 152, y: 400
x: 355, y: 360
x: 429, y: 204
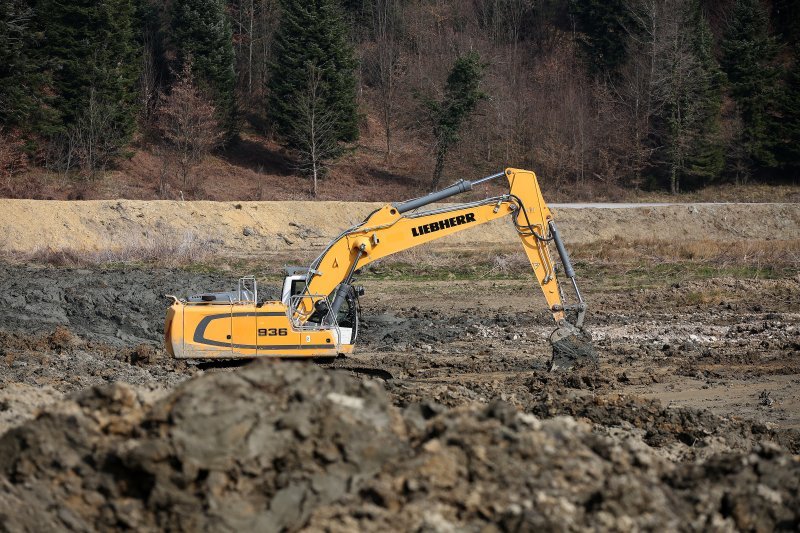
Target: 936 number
x: 272, y: 332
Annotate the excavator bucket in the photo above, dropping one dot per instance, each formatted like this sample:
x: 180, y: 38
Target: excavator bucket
x: 571, y: 342
x: 572, y: 348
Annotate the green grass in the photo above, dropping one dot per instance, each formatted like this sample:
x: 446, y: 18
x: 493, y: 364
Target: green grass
x: 640, y: 275
x: 609, y: 266
x: 408, y: 272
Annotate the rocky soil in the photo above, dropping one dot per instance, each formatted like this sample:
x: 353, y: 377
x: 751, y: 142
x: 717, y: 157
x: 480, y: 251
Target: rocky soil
x: 285, y: 446
x: 445, y: 420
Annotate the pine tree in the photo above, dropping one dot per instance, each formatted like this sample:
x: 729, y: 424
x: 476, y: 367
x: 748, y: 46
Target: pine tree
x: 20, y: 78
x: 748, y: 55
x: 705, y: 159
x: 788, y: 151
x: 602, y: 25
x: 201, y: 31
x: 312, y: 37
x: 461, y: 96
x: 786, y: 18
x: 90, y: 52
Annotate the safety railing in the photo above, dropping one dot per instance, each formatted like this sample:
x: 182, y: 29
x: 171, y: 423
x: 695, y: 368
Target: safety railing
x: 305, y: 307
x: 248, y: 290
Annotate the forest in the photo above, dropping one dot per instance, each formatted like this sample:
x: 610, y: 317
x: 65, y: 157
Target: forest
x: 654, y: 95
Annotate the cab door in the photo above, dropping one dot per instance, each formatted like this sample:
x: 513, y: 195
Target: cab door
x: 347, y: 320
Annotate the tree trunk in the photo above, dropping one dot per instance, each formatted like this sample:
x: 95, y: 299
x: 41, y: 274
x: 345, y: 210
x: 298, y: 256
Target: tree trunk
x: 314, y: 165
x: 674, y: 186
x: 250, y: 52
x: 441, y: 153
x: 387, y: 117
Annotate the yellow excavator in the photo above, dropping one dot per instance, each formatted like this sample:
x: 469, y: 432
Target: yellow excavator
x: 318, y: 313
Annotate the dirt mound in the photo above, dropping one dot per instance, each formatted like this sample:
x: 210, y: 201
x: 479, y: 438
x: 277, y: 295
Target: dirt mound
x: 119, y: 307
x: 257, y: 449
x: 36, y: 371
x: 285, y: 446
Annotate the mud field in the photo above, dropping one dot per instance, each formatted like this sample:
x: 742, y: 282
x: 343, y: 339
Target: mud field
x: 444, y: 420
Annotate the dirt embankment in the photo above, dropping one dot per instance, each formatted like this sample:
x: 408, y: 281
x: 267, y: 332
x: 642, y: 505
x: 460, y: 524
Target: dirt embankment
x: 111, y: 306
x: 251, y: 229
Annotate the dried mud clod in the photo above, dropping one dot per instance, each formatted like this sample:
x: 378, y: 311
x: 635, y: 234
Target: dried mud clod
x: 142, y: 355
x: 61, y: 338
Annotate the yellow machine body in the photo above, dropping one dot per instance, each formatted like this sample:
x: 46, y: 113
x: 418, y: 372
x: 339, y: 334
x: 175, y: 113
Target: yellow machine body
x: 245, y: 328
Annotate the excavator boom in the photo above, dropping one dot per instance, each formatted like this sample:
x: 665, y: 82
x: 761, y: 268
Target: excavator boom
x: 398, y: 227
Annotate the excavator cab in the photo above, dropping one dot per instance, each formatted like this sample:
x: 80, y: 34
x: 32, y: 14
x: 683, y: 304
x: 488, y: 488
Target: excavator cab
x: 347, y: 317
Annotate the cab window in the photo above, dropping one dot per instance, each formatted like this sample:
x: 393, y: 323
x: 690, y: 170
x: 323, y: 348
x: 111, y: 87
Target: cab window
x: 345, y: 316
x: 298, y: 286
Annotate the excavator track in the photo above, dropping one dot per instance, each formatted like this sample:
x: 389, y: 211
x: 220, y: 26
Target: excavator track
x: 353, y: 365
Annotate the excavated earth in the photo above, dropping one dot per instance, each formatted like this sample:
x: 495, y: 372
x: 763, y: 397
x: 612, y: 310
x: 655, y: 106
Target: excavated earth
x: 445, y: 420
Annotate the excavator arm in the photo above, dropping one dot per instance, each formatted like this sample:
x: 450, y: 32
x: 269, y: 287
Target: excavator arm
x: 397, y: 227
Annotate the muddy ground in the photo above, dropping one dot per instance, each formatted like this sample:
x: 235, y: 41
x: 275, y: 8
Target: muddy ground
x: 445, y: 419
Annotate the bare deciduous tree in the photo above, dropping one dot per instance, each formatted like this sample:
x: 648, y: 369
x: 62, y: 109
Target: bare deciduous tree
x: 186, y: 120
x: 386, y: 14
x: 314, y: 131
x: 659, y: 84
x: 254, y: 23
x: 95, y: 139
x: 643, y: 87
x: 148, y: 80
x: 681, y: 113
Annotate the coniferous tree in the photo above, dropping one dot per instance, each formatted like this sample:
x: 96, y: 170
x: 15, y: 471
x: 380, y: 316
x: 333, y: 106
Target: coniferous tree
x: 312, y: 37
x: 90, y: 51
x: 461, y: 96
x: 788, y: 150
x: 748, y: 53
x: 603, y: 40
x: 786, y: 18
x: 202, y: 34
x: 706, y: 158
x: 21, y: 79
